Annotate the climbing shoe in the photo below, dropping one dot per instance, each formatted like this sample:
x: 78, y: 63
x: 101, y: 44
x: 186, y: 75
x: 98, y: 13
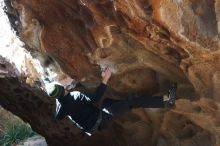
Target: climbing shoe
x: 172, y: 94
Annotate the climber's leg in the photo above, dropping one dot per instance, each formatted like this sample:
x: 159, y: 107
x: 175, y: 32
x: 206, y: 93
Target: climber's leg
x: 119, y: 107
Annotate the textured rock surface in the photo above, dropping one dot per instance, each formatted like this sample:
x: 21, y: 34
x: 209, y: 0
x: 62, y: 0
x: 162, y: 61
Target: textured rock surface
x: 34, y: 141
x: 148, y: 43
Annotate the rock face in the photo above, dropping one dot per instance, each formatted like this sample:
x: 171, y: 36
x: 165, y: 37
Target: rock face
x: 34, y: 141
x: 148, y: 43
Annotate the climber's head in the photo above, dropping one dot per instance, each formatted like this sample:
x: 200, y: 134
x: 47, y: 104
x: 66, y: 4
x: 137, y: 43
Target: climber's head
x: 56, y: 91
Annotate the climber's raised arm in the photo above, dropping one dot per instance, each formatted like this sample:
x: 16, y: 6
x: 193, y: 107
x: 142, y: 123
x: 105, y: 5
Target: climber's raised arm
x: 106, y: 74
x: 96, y: 96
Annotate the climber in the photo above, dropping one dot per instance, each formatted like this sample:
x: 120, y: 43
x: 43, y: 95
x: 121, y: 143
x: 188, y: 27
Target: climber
x: 80, y: 109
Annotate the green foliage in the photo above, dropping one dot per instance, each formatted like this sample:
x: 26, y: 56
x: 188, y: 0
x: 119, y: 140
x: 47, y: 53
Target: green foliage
x: 15, y: 132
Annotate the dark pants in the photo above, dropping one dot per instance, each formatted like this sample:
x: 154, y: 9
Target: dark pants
x: 112, y: 109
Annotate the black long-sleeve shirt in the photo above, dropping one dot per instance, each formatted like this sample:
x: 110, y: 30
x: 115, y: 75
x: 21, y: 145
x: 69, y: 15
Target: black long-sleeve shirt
x: 79, y: 108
